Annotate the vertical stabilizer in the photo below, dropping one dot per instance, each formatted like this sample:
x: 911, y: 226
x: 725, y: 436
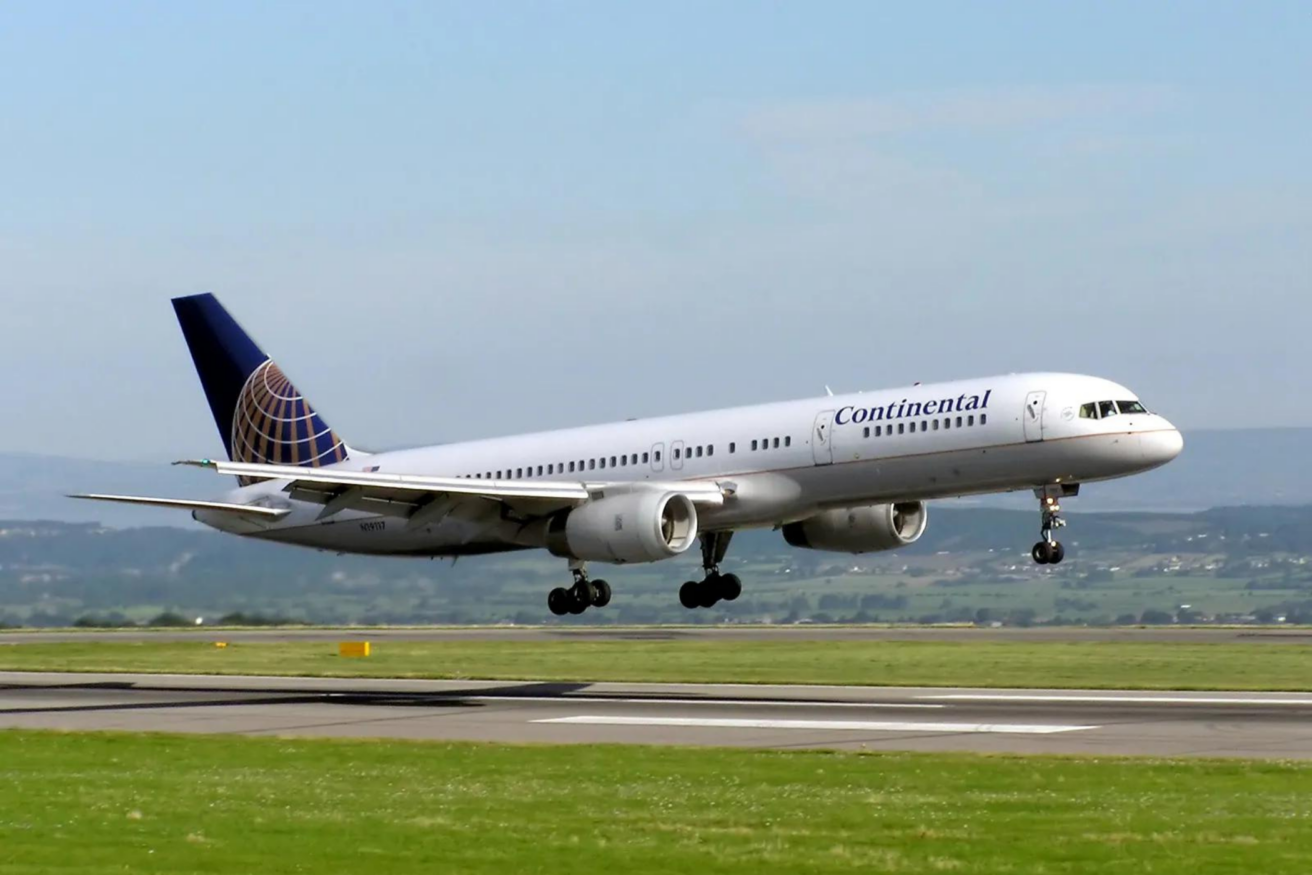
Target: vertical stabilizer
x: 260, y: 415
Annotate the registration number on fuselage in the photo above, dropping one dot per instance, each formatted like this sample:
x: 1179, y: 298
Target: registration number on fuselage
x: 373, y: 526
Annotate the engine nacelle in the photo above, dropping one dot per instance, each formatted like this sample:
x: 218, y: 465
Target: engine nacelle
x: 639, y: 526
x: 865, y: 529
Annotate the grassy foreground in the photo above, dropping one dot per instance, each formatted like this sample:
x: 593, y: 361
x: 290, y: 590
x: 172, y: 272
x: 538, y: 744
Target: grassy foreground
x: 1111, y: 665
x: 77, y: 803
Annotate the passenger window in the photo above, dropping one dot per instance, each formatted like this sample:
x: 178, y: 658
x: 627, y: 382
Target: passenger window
x: 624, y: 461
x: 1106, y: 409
x: 612, y: 461
x: 865, y: 432
x: 644, y: 458
x: 677, y: 452
x: 732, y: 447
x: 924, y: 426
x: 539, y: 470
x: 519, y: 473
x: 970, y: 420
x: 913, y: 428
x: 983, y: 418
x: 776, y: 443
x: 947, y: 423
x: 571, y: 467
x: 902, y: 427
x: 753, y: 446
x: 592, y: 464
x: 935, y: 425
x: 658, y: 455
x: 710, y: 449
x: 699, y: 452
x: 879, y: 429
x: 958, y: 422
x: 788, y: 441
x: 1131, y: 407
x: 633, y: 460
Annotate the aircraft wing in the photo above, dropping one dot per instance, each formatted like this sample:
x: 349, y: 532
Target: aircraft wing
x: 187, y: 504
x: 421, y: 498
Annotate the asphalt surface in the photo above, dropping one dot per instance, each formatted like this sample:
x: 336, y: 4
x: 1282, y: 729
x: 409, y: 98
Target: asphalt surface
x: 1218, y: 724
x: 804, y: 632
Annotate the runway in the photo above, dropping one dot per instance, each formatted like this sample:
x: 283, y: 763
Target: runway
x: 804, y: 632
x: 1102, y: 722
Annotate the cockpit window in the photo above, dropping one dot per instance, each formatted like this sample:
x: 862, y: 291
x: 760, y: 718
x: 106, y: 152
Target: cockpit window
x: 1088, y: 411
x: 1106, y: 409
x: 1131, y: 407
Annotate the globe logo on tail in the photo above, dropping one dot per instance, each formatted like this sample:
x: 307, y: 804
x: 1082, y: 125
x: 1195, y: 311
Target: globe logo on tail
x: 273, y: 424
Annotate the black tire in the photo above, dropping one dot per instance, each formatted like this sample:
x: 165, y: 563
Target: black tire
x: 559, y: 601
x: 709, y: 591
x: 576, y: 605
x: 730, y: 587
x: 690, y: 595
x: 1058, y: 552
x: 601, y: 593
x: 1042, y: 553
x: 584, y: 592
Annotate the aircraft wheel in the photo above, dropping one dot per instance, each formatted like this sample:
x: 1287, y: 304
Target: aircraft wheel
x: 730, y: 587
x: 1058, y: 552
x: 690, y: 596
x: 559, y: 601
x: 1042, y: 553
x: 708, y: 591
x: 601, y: 593
x: 584, y: 592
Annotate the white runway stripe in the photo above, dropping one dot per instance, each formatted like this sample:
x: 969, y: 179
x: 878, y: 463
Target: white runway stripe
x: 845, y: 725
x: 1122, y: 699
x: 752, y: 703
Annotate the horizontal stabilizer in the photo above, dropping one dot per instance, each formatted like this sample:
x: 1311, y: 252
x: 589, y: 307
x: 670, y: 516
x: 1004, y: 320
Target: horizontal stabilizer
x: 186, y: 504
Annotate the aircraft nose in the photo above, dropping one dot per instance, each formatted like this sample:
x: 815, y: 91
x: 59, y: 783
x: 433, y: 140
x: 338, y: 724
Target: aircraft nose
x: 1161, y: 446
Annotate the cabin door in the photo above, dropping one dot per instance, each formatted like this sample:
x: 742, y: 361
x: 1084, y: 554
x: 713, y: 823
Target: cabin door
x: 822, y: 438
x: 1033, y: 416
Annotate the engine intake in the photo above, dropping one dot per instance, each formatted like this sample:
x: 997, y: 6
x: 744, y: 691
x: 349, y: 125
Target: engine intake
x: 865, y: 529
x: 640, y: 526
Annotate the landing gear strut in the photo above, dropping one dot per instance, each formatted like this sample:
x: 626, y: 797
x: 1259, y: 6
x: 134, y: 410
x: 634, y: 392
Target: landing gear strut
x: 714, y: 586
x: 582, y: 595
x: 1049, y: 551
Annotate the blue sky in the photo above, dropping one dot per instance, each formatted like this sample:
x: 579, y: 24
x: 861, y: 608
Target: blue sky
x: 457, y: 220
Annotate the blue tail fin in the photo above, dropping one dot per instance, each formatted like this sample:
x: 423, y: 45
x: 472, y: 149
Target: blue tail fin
x: 260, y: 415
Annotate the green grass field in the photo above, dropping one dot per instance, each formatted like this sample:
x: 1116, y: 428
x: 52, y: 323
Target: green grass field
x: 1108, y: 665
x: 83, y: 803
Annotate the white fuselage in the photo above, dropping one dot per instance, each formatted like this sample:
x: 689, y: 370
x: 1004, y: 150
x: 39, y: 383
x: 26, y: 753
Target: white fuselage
x: 778, y: 462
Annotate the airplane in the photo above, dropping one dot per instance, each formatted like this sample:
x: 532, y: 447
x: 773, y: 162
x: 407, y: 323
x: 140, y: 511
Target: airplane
x: 845, y: 473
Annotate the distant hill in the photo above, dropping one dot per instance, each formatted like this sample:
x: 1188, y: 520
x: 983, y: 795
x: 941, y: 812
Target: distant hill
x: 1217, y: 468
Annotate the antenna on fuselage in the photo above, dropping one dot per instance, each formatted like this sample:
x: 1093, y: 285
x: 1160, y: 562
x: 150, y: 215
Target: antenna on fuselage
x: 829, y: 392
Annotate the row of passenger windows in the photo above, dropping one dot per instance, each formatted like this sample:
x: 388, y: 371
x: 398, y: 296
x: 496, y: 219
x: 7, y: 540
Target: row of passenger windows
x: 1104, y: 409
x: 697, y: 451
x: 946, y: 423
x: 553, y: 468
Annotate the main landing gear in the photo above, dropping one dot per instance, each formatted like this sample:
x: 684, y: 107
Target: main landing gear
x: 1049, y: 551
x: 714, y: 586
x: 582, y: 595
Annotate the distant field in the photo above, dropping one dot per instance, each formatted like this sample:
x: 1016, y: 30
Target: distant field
x: 77, y: 803
x: 1127, y: 665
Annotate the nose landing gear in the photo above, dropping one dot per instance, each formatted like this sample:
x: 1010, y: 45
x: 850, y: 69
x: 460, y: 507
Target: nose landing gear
x: 1049, y: 551
x: 715, y: 586
x: 582, y: 595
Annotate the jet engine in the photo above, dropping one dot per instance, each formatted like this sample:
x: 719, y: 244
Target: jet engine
x: 639, y: 526
x: 865, y: 529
